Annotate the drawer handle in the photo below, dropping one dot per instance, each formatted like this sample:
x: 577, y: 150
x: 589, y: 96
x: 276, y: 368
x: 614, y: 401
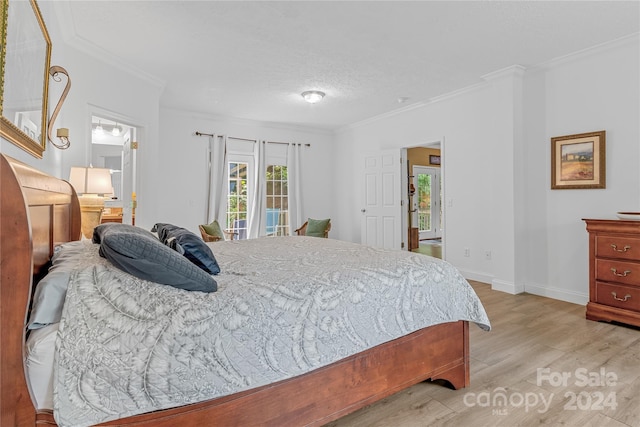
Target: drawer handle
x: 626, y: 272
x: 625, y: 249
x: 615, y: 297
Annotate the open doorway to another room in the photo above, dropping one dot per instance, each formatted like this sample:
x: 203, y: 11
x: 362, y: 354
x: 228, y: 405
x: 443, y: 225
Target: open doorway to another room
x: 113, y: 147
x: 425, y: 199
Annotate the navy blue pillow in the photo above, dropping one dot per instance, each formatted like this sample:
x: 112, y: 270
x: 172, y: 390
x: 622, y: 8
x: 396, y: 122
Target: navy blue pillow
x: 188, y: 244
x: 139, y: 253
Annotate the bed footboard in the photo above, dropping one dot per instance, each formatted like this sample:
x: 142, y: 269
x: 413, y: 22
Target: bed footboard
x: 326, y: 394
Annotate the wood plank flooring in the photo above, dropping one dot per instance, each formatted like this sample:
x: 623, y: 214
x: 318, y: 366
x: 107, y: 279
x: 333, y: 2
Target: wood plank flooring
x: 542, y: 363
x: 431, y: 248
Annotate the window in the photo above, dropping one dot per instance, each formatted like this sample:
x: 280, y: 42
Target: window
x: 277, y: 206
x: 237, y: 199
x: 240, y: 192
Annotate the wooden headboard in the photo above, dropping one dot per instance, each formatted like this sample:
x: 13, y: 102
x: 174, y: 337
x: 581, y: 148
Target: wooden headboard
x: 37, y: 212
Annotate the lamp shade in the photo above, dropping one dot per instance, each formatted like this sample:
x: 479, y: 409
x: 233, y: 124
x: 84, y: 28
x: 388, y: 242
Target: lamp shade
x: 90, y: 180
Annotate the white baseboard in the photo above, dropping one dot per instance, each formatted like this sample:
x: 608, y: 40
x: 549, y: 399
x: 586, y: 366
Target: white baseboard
x: 559, y: 294
x: 535, y: 289
x: 508, y: 287
x: 478, y: 277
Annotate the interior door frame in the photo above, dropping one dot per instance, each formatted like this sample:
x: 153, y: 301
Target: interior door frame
x: 436, y: 208
x: 428, y: 143
x: 136, y: 130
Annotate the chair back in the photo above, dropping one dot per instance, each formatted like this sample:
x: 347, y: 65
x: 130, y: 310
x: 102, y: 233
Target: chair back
x: 273, y: 218
x: 302, y: 231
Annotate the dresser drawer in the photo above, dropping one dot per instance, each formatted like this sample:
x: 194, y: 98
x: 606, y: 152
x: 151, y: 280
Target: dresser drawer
x: 627, y: 297
x: 624, y: 272
x: 621, y: 247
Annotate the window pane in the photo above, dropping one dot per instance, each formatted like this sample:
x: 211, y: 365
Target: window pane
x: 276, y: 202
x: 237, y: 200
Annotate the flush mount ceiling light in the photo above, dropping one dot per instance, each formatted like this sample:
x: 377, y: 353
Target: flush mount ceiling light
x: 312, y: 96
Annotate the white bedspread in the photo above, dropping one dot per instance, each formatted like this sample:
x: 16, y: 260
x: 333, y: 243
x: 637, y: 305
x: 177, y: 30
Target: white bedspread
x: 284, y: 306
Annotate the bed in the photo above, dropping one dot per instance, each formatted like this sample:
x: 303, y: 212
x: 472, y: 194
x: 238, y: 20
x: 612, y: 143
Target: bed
x: 38, y: 213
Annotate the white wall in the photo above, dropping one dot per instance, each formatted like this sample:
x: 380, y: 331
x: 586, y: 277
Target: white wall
x: 497, y: 166
x: 591, y: 91
x: 182, y: 166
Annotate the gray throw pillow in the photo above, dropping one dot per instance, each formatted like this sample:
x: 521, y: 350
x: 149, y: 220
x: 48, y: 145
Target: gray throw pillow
x: 139, y: 253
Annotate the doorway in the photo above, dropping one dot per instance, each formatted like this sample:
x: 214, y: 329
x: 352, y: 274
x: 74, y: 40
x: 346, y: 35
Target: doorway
x: 427, y: 202
x: 424, y: 208
x: 113, y: 147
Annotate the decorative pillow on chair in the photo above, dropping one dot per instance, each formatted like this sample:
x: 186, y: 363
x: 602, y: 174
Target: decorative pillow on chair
x: 139, y: 253
x: 188, y: 244
x: 214, y: 229
x: 317, y: 227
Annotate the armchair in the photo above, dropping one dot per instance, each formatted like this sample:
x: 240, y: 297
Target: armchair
x: 315, y: 228
x: 214, y: 233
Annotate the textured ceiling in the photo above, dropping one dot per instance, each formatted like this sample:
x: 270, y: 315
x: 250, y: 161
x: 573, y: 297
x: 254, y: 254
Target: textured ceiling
x: 252, y: 60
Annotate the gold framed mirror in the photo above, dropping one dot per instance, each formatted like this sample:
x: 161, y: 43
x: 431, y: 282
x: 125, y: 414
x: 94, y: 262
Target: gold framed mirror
x: 25, y: 56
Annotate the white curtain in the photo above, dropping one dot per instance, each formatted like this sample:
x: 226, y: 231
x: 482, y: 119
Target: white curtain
x: 294, y: 185
x: 257, y: 215
x: 217, y: 203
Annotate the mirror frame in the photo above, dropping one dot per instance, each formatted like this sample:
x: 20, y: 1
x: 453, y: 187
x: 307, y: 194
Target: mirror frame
x: 8, y: 129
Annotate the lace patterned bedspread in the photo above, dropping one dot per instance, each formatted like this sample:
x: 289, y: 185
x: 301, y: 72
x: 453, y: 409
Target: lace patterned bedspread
x: 284, y: 306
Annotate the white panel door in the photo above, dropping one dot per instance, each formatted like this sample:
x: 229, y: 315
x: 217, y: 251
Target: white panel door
x: 381, y: 224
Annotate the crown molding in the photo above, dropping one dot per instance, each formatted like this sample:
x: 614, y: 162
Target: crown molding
x: 70, y: 36
x: 414, y: 106
x: 511, y: 71
x: 593, y: 50
x: 199, y: 115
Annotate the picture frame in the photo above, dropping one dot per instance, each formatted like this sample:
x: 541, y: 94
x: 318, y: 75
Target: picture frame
x: 434, y: 159
x: 578, y: 161
x: 25, y: 57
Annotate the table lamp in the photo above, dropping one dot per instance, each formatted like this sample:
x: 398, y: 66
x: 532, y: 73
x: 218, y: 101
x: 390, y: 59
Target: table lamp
x: 91, y: 184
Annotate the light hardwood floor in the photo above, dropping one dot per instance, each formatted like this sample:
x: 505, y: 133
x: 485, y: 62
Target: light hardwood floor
x: 431, y: 248
x: 571, y: 371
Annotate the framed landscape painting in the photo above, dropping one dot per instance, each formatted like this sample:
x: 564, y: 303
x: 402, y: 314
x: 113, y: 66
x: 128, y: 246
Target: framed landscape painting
x: 578, y: 161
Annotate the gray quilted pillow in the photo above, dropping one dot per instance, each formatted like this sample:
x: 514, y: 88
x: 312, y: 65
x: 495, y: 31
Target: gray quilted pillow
x: 139, y: 253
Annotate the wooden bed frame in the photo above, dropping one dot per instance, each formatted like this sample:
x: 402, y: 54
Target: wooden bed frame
x: 38, y: 211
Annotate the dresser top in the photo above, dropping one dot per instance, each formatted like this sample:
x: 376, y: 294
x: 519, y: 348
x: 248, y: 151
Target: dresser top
x: 612, y: 225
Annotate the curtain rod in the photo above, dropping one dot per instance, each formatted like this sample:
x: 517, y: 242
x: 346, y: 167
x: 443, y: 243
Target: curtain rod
x: 250, y: 140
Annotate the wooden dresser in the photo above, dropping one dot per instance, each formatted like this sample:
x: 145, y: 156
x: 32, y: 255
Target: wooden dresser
x: 614, y: 270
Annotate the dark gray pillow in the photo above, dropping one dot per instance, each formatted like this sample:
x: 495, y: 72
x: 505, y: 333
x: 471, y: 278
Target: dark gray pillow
x: 188, y: 244
x: 139, y: 253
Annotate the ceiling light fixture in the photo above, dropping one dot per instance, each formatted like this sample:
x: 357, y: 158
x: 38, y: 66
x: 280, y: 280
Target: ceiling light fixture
x: 99, y: 130
x: 313, y: 96
x: 116, y: 130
